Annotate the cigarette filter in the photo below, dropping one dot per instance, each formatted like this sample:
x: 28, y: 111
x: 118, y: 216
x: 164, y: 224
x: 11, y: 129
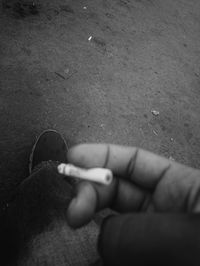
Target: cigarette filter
x: 99, y: 175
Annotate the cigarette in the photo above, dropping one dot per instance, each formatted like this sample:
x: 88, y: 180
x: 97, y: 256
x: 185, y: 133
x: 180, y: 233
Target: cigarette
x: 99, y: 175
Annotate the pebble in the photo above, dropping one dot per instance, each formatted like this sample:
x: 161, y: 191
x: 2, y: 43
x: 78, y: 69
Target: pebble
x: 154, y: 112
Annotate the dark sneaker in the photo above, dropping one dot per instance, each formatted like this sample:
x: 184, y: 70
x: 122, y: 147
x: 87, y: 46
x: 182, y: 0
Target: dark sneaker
x: 49, y: 146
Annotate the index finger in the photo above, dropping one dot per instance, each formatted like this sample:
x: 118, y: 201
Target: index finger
x: 142, y: 167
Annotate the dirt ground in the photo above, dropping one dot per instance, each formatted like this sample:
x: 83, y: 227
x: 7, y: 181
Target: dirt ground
x: 95, y: 71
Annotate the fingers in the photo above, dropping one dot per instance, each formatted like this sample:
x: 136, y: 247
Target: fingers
x: 123, y: 195
x: 83, y: 206
x: 142, y: 167
x: 143, y: 181
x: 120, y: 195
x: 150, y: 239
x: 89, y: 199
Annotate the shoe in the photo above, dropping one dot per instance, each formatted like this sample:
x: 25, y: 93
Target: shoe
x: 49, y: 146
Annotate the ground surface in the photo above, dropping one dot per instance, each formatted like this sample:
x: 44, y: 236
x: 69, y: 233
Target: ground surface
x: 143, y: 55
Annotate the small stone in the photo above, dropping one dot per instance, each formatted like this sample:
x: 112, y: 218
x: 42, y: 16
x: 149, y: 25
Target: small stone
x: 155, y: 112
x: 155, y: 132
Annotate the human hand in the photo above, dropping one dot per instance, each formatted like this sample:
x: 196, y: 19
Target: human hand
x: 144, y: 182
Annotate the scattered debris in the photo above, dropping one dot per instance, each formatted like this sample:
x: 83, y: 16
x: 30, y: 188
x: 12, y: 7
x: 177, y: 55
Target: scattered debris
x: 71, y: 74
x: 154, y: 112
x: 59, y: 75
x: 98, y: 43
x: 66, y: 74
x: 155, y: 132
x: 171, y: 158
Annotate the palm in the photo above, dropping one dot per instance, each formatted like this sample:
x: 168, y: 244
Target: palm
x: 176, y: 193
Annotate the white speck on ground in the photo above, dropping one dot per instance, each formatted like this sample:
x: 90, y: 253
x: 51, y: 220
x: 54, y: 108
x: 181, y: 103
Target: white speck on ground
x: 155, y: 112
x: 155, y: 132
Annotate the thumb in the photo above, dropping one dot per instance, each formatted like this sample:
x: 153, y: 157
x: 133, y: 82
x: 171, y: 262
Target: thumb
x: 150, y: 239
